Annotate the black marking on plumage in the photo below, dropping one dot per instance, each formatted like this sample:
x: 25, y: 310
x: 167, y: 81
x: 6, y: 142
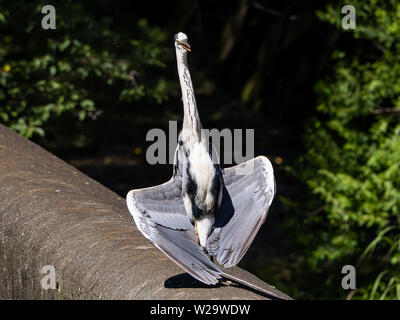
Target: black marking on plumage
x: 191, y: 190
x: 176, y: 163
x: 191, y: 101
x: 216, y: 187
x: 196, y: 211
x: 191, y: 185
x: 210, y: 146
x: 211, y: 154
x: 182, y: 145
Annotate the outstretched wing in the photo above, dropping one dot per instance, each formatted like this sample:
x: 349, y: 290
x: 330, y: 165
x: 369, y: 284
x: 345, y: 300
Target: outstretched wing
x: 248, y: 194
x: 160, y: 215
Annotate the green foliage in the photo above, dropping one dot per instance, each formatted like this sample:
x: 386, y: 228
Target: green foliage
x: 352, y: 162
x: 87, y: 63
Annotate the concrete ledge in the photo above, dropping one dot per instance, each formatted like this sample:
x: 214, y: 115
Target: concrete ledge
x: 52, y: 214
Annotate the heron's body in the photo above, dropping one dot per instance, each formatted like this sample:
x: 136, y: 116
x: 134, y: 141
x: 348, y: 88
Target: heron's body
x: 202, y: 181
x: 202, y: 209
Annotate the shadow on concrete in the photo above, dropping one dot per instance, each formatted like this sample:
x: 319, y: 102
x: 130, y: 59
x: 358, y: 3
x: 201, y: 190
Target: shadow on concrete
x: 185, y: 280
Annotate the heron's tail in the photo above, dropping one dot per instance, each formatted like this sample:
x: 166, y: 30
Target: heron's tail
x: 213, y: 242
x: 250, y: 285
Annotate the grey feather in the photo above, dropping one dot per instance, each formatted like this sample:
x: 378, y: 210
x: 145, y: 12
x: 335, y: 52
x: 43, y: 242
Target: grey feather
x: 160, y: 215
x: 249, y: 198
x: 171, y: 231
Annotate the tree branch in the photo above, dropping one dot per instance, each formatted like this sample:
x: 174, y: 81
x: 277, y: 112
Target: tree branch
x: 387, y: 110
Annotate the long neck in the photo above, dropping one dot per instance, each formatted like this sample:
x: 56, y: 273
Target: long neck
x: 191, y: 118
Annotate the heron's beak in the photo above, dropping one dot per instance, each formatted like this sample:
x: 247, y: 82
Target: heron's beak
x: 184, y: 44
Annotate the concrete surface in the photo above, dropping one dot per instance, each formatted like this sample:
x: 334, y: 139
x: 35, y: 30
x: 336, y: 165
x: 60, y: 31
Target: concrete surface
x: 52, y: 214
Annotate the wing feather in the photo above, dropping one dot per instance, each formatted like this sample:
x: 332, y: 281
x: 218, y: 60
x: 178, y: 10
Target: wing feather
x: 250, y: 196
x: 159, y: 214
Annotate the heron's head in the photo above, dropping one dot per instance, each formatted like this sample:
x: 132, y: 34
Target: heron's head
x: 181, y: 42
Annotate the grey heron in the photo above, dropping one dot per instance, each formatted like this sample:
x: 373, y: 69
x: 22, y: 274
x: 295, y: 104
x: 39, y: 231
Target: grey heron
x: 203, y: 210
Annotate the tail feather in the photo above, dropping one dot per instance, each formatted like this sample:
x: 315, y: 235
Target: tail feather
x: 213, y: 241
